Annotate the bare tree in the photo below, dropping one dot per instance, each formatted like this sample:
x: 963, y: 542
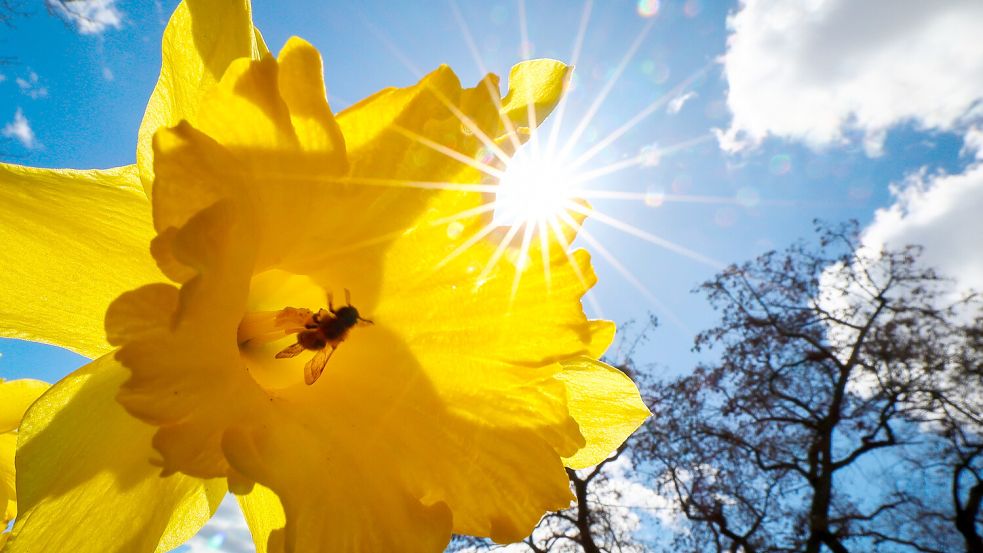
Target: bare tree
x: 834, y: 364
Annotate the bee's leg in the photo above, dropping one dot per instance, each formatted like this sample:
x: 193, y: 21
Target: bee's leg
x: 364, y: 322
x: 331, y: 302
x: 348, y: 297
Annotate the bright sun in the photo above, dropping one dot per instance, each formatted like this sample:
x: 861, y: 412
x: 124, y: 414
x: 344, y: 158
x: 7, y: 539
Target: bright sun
x: 533, y: 189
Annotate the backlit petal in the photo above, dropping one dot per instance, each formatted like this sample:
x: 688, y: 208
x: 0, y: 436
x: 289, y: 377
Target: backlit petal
x: 15, y: 397
x: 264, y: 515
x: 8, y: 494
x: 605, y: 403
x: 601, y: 337
x: 85, y: 476
x: 200, y: 41
x: 71, y: 242
x: 536, y: 88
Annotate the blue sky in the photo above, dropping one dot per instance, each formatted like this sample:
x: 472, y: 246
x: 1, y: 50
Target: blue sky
x: 787, y: 111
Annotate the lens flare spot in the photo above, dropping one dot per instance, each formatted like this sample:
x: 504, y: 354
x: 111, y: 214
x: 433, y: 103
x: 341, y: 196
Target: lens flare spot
x: 648, y: 8
x: 747, y: 197
x: 649, y: 156
x: 655, y: 196
x: 692, y: 8
x: 454, y: 230
x: 780, y: 164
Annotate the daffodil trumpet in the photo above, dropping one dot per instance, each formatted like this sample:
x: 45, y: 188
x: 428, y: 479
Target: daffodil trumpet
x: 456, y: 411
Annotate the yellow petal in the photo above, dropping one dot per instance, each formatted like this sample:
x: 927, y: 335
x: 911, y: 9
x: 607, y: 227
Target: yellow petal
x: 605, y: 403
x: 200, y: 41
x: 536, y: 86
x: 85, y: 480
x: 264, y: 514
x: 8, y: 494
x: 301, y: 83
x: 369, y: 509
x: 601, y: 336
x: 15, y: 397
x: 72, y: 241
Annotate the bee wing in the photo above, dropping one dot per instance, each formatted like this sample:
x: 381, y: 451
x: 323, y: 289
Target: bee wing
x: 292, y: 350
x: 314, y: 367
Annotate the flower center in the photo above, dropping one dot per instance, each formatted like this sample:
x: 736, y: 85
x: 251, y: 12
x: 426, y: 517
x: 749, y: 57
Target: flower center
x: 269, y: 334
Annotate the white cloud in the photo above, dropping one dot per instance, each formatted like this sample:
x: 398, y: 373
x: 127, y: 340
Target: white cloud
x: 31, y: 86
x: 819, y: 70
x: 973, y: 143
x: 20, y: 130
x: 2, y: 77
x: 678, y: 102
x: 937, y: 211
x: 107, y: 74
x: 942, y: 213
x: 90, y: 17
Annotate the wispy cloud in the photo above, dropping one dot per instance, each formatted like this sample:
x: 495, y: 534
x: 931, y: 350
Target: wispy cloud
x: 32, y: 86
x: 678, y: 102
x: 90, y: 17
x: 2, y: 77
x: 20, y: 130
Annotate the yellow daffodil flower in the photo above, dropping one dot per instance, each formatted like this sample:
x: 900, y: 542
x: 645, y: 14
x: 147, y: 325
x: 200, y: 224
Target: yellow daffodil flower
x: 450, y: 401
x: 15, y: 397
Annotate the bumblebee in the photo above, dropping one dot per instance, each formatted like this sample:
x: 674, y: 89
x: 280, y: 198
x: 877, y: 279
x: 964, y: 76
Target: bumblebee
x: 327, y: 328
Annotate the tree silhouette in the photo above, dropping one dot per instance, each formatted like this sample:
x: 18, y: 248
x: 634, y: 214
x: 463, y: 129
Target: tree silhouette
x: 845, y: 398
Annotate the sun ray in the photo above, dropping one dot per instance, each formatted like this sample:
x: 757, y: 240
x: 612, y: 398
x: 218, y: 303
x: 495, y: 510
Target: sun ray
x: 503, y: 244
x: 639, y: 159
x: 677, y: 198
x: 630, y: 277
x: 524, y: 30
x: 467, y: 213
x: 476, y: 55
x: 469, y: 123
x: 574, y: 59
x: 554, y: 223
x: 544, y: 249
x: 648, y: 237
x: 586, y: 120
x: 388, y: 43
x: 520, y: 264
x: 450, y: 152
x: 530, y: 103
x: 408, y: 64
x: 638, y: 118
x: 464, y: 246
x: 425, y: 185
